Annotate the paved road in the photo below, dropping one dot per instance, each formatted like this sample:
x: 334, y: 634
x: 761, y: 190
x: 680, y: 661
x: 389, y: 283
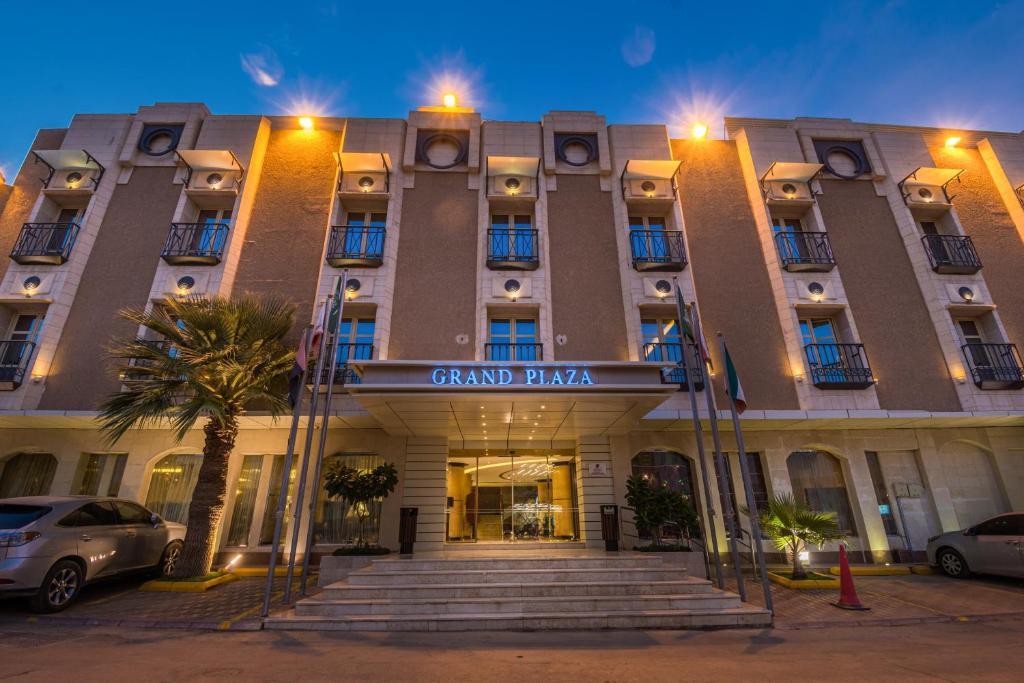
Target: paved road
x: 979, y: 651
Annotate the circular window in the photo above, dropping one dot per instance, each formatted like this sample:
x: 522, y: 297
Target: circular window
x: 663, y: 286
x: 353, y: 285
x: 159, y: 141
x: 843, y: 163
x: 214, y: 179
x: 442, y: 150
x: 512, y: 286
x: 512, y: 183
x: 31, y: 283
x: 576, y: 150
x: 366, y: 182
x: 186, y: 283
x: 924, y: 193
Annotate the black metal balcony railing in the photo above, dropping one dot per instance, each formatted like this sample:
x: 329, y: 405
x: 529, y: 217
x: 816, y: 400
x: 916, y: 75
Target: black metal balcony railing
x: 138, y: 366
x: 45, y: 244
x: 356, y: 245
x: 839, y: 366
x: 672, y: 352
x: 994, y: 366
x: 521, y: 351
x: 951, y: 254
x: 657, y: 250
x: 15, y: 356
x: 199, y: 244
x: 343, y: 372
x: 512, y: 248
x: 805, y: 251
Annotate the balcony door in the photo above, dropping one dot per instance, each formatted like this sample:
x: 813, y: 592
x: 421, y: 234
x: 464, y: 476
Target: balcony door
x: 653, y: 243
x: 936, y: 245
x: 513, y: 339
x: 511, y: 237
x: 207, y: 238
x: 364, y: 231
x: 64, y: 230
x: 972, y: 337
x: 821, y: 346
x: 16, y: 345
x: 791, y: 239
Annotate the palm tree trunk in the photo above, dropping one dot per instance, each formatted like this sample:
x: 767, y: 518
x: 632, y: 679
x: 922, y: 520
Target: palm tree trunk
x: 207, y: 506
x: 798, y: 569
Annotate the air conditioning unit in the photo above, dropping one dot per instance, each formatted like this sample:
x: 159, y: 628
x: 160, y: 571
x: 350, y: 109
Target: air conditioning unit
x: 649, y: 188
x: 512, y: 186
x: 788, y: 190
x: 214, y: 180
x: 924, y: 195
x: 74, y: 179
x: 363, y: 182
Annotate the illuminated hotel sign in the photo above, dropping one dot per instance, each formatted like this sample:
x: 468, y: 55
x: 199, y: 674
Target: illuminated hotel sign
x: 539, y: 375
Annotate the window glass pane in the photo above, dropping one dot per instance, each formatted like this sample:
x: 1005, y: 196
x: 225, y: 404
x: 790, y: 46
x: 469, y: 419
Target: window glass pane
x: 805, y: 332
x: 356, y: 219
x: 364, y: 328
x: 14, y: 516
x: 378, y: 220
x: 67, y: 216
x: 87, y: 479
x: 636, y: 223
x: 245, y: 501
x: 130, y: 513
x: 337, y: 520
x: 274, y: 497
x: 526, y: 331
x: 656, y: 223
x: 225, y: 215
x: 670, y: 331
x: 793, y: 225
x: 23, y: 326
x: 649, y: 329
x: 501, y: 330
x: 27, y: 474
x: 96, y: 514
x: 818, y: 482
x: 524, y: 222
x: 970, y: 330
x: 881, y: 493
x: 171, y: 484
x: 499, y: 222
x: 929, y: 228
x: 670, y: 469
x: 823, y: 332
x: 116, y: 464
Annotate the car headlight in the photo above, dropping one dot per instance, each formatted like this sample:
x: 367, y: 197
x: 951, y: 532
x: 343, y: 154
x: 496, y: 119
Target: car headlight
x: 12, y: 539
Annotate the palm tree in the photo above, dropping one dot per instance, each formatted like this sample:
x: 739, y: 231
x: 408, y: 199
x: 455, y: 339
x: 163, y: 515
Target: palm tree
x: 793, y: 525
x: 216, y: 356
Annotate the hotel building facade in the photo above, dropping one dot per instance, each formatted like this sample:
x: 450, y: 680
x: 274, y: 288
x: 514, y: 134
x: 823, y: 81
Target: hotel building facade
x: 510, y: 333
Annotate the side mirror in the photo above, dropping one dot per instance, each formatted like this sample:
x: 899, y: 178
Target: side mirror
x: 971, y: 531
x: 155, y: 520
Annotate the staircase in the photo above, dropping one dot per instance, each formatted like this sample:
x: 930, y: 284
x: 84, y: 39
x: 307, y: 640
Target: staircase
x: 519, y: 593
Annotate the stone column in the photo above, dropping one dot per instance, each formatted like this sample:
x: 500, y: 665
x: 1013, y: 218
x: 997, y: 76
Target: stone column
x: 593, y: 490
x: 425, y: 488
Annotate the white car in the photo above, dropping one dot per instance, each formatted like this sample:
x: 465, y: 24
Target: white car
x: 995, y: 546
x: 51, y: 546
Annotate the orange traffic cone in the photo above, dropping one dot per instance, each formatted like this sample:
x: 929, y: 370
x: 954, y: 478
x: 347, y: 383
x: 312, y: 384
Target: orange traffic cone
x: 847, y: 593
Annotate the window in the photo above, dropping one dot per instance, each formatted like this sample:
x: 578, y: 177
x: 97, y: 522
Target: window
x: 336, y: 520
x: 13, y: 516
x: 27, y: 474
x: 818, y: 331
x: 24, y: 328
x: 646, y: 245
x: 171, y: 484
x: 971, y: 336
x: 364, y: 233
x: 274, y: 497
x: 245, y: 501
x: 511, y: 237
x: 881, y: 493
x: 793, y: 246
x: 96, y: 470
x: 1006, y: 525
x: 91, y: 514
x: 130, y: 513
x: 209, y: 238
x: 513, y: 339
x: 667, y: 468
x: 817, y: 479
x: 355, y: 339
x: 663, y: 339
x: 758, y: 485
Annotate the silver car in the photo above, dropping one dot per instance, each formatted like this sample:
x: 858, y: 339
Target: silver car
x: 52, y: 546
x: 995, y: 546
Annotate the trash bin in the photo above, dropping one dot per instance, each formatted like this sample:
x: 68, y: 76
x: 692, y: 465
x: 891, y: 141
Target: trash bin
x: 407, y: 530
x: 610, y: 527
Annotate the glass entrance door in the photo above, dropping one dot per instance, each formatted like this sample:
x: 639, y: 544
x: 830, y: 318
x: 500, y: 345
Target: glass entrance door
x: 515, y: 496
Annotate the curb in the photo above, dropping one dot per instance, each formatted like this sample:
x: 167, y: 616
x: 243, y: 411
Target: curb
x: 907, y: 621
x: 203, y: 625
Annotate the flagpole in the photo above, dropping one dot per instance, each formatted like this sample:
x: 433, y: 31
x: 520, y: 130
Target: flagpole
x: 300, y: 494
x: 748, y: 491
x: 699, y: 435
x: 315, y: 493
x: 731, y: 516
x: 282, y: 500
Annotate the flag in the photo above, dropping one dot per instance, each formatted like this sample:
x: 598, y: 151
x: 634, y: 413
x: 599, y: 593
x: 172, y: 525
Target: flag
x: 298, y: 369
x: 687, y: 329
x: 684, y: 323
x: 734, y: 388
x: 318, y: 330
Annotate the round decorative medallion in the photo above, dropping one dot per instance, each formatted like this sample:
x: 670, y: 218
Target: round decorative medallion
x: 924, y: 193
x: 353, y: 285
x: 512, y: 286
x: 157, y: 142
x: 31, y: 283
x: 816, y: 288
x: 214, y: 179
x: 186, y: 283
x: 966, y: 293
x: 366, y: 182
x: 663, y: 286
x: 842, y: 163
x: 73, y: 178
x: 512, y: 183
x: 789, y: 188
x: 648, y: 186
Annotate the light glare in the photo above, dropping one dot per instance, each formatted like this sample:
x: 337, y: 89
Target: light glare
x: 306, y: 122
x: 700, y: 131
x: 953, y: 141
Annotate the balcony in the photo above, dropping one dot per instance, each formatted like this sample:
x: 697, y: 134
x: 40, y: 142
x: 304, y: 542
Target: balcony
x: 512, y: 249
x: 195, y: 244
x: 657, y: 250
x: 669, y: 352
x: 15, y: 356
x: 505, y: 351
x: 951, y: 254
x: 839, y: 366
x: 343, y: 372
x: 994, y: 366
x: 355, y: 245
x: 45, y: 244
x: 805, y: 252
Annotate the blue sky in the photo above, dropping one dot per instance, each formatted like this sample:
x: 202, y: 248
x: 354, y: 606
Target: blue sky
x: 935, y: 63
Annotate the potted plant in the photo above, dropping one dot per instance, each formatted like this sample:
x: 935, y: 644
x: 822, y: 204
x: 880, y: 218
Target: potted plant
x: 792, y: 526
x: 655, y: 507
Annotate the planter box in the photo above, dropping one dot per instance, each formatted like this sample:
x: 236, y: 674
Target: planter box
x: 337, y: 568
x: 804, y: 583
x: 690, y: 562
x: 159, y: 585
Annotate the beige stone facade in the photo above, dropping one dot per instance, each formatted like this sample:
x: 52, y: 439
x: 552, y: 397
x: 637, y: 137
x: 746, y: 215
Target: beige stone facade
x: 867, y: 278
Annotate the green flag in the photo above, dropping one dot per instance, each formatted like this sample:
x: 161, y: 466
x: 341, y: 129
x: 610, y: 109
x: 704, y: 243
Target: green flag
x: 734, y: 388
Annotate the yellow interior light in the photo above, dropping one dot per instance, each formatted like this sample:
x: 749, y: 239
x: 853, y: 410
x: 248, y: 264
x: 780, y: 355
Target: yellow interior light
x: 953, y: 141
x: 306, y: 122
x: 700, y: 131
x: 449, y: 100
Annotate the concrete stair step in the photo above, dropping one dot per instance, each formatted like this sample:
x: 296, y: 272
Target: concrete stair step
x: 523, y: 605
x: 737, y: 617
x: 369, y: 576
x: 346, y: 591
x: 406, y: 565
x: 518, y: 546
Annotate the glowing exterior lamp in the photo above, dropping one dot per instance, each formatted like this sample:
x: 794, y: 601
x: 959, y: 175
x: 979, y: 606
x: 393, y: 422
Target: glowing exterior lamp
x: 306, y: 122
x: 449, y: 100
x: 699, y: 131
x: 953, y: 140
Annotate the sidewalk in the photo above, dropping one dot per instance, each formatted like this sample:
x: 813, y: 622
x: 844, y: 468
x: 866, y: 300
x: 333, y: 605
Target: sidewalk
x: 895, y: 600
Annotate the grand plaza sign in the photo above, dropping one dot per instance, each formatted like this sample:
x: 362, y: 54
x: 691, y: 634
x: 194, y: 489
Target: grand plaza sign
x: 539, y: 375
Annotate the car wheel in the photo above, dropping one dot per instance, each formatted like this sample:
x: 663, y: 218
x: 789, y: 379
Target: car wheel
x: 169, y: 560
x: 60, y: 587
x: 953, y: 564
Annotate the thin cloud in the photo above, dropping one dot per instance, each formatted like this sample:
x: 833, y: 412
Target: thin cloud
x: 263, y: 67
x: 638, y: 47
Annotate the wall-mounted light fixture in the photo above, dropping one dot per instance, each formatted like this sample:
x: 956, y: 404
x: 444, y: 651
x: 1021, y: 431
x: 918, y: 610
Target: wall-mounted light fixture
x: 966, y: 293
x: 699, y: 131
x: 306, y: 122
x: 953, y: 140
x: 31, y: 284
x: 449, y: 100
x: 817, y: 291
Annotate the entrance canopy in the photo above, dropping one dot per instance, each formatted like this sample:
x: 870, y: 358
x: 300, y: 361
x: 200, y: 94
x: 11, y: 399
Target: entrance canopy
x: 500, y: 405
